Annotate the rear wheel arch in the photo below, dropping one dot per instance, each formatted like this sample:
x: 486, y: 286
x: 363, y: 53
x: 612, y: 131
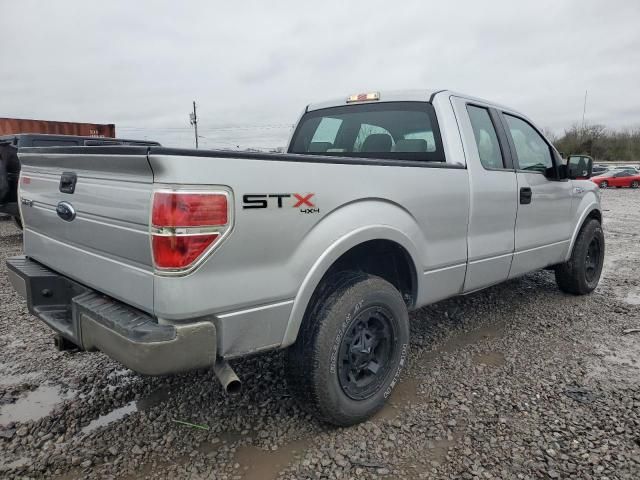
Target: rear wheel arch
x: 383, y: 258
x: 352, y: 349
x: 359, y: 252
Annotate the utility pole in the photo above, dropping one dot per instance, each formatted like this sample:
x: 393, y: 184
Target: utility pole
x: 194, y: 121
x: 584, y: 109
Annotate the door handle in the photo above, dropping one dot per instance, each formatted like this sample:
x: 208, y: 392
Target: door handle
x: 68, y: 182
x: 525, y: 195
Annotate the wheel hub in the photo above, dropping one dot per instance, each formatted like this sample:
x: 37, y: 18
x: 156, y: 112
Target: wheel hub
x: 592, y: 260
x: 366, y: 352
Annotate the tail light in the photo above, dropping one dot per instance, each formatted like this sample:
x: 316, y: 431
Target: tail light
x: 186, y: 226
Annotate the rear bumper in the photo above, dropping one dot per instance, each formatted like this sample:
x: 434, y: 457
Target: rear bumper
x: 96, y: 322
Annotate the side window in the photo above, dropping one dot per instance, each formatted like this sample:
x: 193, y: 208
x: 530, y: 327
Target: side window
x: 486, y: 137
x: 532, y: 151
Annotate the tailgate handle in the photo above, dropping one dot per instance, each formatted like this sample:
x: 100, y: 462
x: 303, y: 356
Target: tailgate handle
x: 68, y: 182
x: 525, y: 195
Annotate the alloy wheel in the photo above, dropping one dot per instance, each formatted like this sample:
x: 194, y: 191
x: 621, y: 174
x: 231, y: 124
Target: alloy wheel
x: 592, y: 260
x: 366, y: 352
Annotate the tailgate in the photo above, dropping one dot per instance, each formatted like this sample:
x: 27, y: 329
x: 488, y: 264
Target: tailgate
x: 97, y: 231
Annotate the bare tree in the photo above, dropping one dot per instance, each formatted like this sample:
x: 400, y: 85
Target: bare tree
x: 550, y: 135
x: 601, y: 143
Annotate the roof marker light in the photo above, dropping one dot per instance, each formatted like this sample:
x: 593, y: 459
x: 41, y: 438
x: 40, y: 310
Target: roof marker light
x: 364, y: 97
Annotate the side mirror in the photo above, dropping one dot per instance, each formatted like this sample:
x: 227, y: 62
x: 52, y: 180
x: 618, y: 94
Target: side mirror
x: 579, y: 167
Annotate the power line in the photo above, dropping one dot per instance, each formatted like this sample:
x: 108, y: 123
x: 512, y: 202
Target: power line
x: 211, y: 129
x: 219, y: 141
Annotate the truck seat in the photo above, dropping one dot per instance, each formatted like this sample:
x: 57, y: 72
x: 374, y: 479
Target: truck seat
x: 377, y: 142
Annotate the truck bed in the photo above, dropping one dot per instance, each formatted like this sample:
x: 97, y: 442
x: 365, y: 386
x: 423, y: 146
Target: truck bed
x: 250, y: 282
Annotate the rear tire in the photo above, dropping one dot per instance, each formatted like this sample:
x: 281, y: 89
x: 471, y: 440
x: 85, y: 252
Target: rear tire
x: 581, y: 274
x: 635, y: 184
x: 351, y: 348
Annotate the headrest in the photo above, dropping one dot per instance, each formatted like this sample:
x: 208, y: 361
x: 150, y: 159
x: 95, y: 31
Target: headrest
x: 377, y: 142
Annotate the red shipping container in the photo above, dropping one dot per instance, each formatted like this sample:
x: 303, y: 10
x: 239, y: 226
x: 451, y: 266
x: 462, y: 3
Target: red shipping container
x: 10, y: 126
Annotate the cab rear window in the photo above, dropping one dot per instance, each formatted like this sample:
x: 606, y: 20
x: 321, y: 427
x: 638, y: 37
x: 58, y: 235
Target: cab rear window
x: 390, y: 130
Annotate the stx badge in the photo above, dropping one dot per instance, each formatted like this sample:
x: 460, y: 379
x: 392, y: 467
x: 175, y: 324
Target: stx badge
x: 303, y: 201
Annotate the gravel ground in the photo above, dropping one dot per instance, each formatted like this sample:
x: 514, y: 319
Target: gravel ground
x: 516, y: 381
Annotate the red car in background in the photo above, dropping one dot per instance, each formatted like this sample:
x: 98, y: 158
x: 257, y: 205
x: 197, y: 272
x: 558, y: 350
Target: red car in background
x: 618, y: 178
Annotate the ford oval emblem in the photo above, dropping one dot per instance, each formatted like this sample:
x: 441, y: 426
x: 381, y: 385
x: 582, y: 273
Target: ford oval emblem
x: 66, y: 211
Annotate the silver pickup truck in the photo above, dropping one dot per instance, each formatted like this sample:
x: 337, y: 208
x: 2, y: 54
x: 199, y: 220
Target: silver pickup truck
x: 169, y: 260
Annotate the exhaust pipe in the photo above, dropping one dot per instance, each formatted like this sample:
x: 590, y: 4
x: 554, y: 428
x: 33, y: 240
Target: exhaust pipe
x: 228, y: 378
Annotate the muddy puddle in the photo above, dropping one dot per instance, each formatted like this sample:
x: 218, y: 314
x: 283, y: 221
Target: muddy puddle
x: 438, y: 449
x: 633, y: 298
x: 489, y: 359
x: 618, y: 362
x: 20, y: 462
x: 406, y: 392
x: 254, y: 463
x: 258, y: 464
x: 34, y: 405
x: 112, y: 416
x: 9, y: 380
x: 155, y: 398
x: 462, y: 339
x: 619, y: 264
x: 436, y: 452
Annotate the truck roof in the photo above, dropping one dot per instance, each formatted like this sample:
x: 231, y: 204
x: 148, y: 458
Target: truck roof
x: 419, y: 95
x: 385, y: 96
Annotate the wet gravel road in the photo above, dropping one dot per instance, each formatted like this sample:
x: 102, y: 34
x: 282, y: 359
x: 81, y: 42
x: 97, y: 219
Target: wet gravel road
x: 517, y: 381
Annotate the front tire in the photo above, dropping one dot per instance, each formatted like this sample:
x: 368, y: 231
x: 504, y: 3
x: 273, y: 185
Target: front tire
x: 635, y: 184
x: 351, y: 348
x: 581, y: 274
x: 604, y: 184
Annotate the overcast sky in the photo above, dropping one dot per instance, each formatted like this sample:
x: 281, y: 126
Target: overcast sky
x: 252, y: 66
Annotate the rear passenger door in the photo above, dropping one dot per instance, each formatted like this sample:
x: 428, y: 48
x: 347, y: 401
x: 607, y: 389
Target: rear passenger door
x: 543, y: 227
x: 493, y: 190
